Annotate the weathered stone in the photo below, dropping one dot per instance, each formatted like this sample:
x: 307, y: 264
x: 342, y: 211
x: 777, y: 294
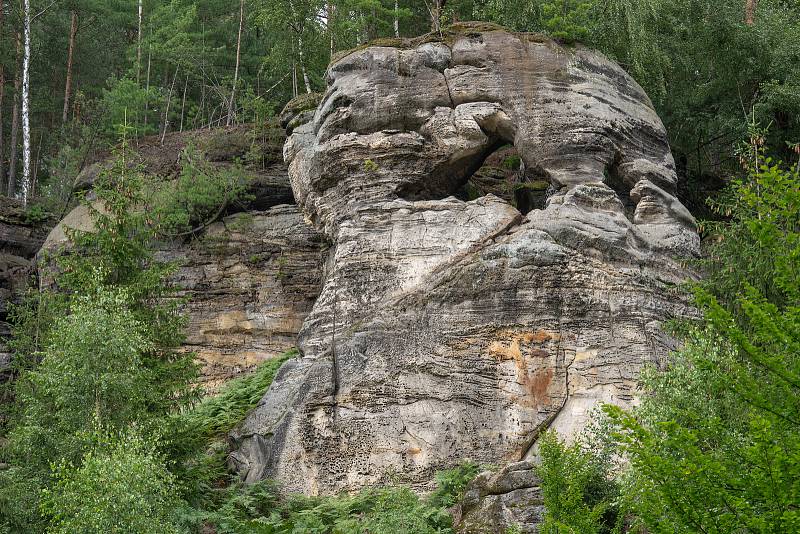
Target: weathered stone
x: 20, y: 239
x: 250, y: 281
x: 495, y: 502
x: 448, y: 329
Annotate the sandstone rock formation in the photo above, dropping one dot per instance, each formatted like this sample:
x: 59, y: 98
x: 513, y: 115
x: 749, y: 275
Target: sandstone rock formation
x: 250, y: 280
x: 450, y: 329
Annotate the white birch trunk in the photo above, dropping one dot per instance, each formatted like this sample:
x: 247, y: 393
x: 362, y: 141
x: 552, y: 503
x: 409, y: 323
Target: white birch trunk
x: 139, y: 45
x: 396, y: 21
x: 26, y: 111
x: 303, y: 64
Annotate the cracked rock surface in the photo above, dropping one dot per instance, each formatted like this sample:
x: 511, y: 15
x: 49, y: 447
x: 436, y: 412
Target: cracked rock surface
x: 450, y: 329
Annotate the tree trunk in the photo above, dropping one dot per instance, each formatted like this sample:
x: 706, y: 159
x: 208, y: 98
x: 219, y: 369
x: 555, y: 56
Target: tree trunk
x: 12, y: 165
x: 147, y: 91
x: 236, y: 69
x: 331, y: 13
x: 2, y: 95
x: 26, y: 102
x: 73, y: 30
x: 139, y: 45
x: 183, y: 102
x: 166, y: 110
x: 750, y: 12
x: 436, y: 15
x: 303, y: 64
x: 396, y: 21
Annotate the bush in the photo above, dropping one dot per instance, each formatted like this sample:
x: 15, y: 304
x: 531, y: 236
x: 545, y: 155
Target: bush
x: 120, y: 486
x: 198, y: 197
x: 579, y: 493
x: 715, y: 446
x: 451, y: 483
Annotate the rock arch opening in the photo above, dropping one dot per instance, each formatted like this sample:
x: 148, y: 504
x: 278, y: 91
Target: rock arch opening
x: 503, y: 173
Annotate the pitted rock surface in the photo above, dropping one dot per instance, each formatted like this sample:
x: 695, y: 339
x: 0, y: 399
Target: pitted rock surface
x: 449, y: 329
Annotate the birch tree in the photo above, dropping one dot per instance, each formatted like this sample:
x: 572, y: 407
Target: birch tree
x: 238, y: 59
x: 26, y: 100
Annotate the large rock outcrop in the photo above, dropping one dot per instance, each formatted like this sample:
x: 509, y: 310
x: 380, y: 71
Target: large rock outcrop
x: 450, y: 329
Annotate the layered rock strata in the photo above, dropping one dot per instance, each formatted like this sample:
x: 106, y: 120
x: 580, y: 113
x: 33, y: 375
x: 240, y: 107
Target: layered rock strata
x: 450, y: 329
x: 21, y: 235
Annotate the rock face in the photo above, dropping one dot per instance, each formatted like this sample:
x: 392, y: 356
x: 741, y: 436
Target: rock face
x: 250, y: 280
x: 450, y: 329
x: 20, y: 239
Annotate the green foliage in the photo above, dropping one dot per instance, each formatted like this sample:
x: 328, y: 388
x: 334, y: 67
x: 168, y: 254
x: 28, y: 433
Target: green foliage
x: 715, y: 446
x: 99, y: 346
x: 98, y: 349
x: 124, y: 104
x: 239, y: 509
x: 451, y: 483
x: 567, y: 19
x: 513, y: 163
x: 35, y: 214
x: 198, y: 196
x: 120, y: 486
x: 200, y: 440
x: 578, y: 491
x: 216, y: 415
x: 378, y: 511
x: 370, y: 166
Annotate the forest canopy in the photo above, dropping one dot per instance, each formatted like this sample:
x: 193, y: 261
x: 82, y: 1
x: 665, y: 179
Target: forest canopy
x: 710, y: 67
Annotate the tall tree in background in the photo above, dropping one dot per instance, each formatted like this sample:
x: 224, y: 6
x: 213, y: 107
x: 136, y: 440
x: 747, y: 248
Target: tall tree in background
x: 73, y: 31
x: 750, y: 12
x: 231, y: 104
x: 12, y: 165
x: 2, y: 95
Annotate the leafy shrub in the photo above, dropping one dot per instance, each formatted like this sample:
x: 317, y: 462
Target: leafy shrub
x: 577, y: 488
x: 99, y: 347
x: 715, y: 446
x: 35, y: 214
x: 199, y: 195
x: 451, y: 483
x: 121, y: 486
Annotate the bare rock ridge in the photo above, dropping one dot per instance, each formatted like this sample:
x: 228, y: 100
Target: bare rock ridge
x: 449, y: 328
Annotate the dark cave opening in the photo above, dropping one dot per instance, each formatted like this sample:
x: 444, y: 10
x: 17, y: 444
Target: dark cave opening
x: 504, y: 174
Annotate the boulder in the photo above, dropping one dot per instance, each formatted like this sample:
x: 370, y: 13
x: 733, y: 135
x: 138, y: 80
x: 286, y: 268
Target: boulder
x: 497, y: 502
